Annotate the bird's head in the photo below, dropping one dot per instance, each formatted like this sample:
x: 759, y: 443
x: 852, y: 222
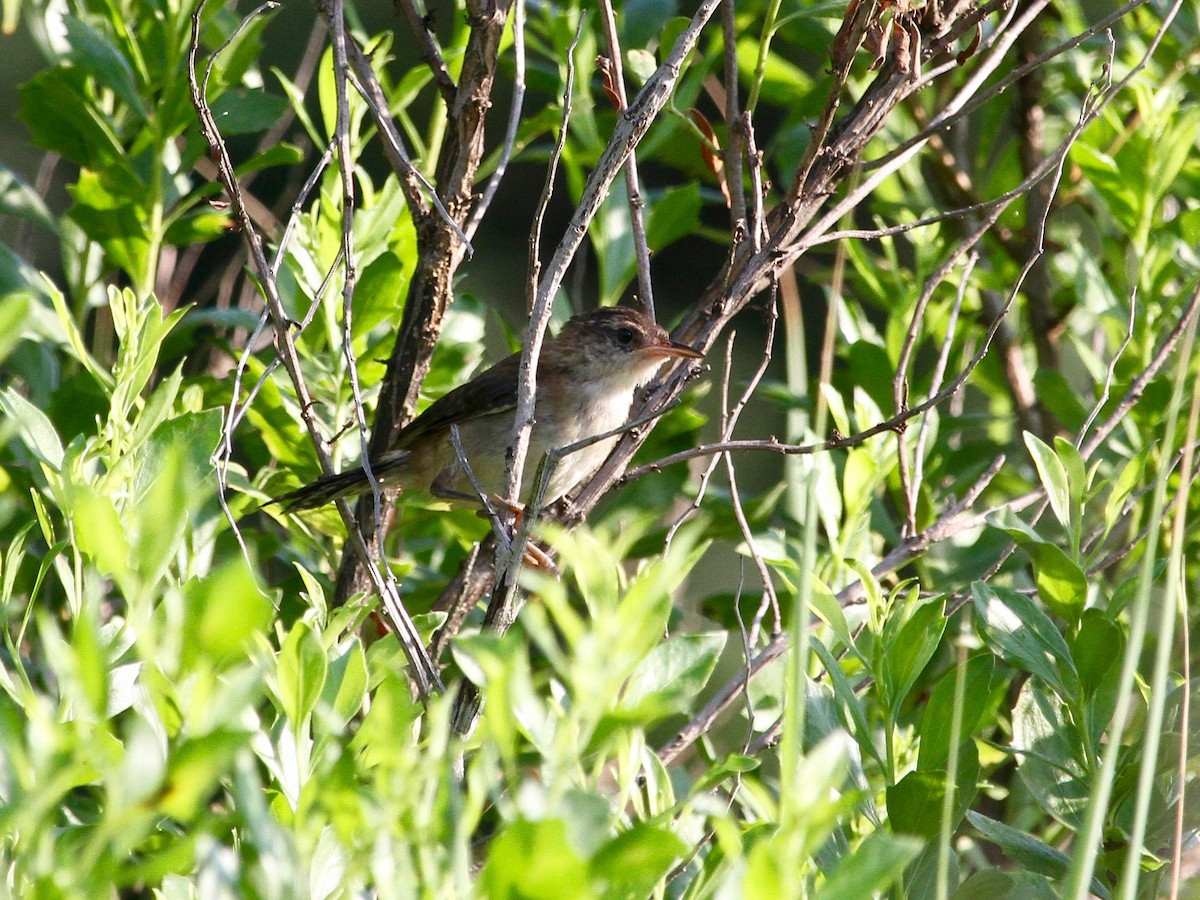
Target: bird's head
x: 615, y: 346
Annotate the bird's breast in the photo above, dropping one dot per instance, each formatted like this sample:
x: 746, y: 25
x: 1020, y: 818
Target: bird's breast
x: 573, y: 415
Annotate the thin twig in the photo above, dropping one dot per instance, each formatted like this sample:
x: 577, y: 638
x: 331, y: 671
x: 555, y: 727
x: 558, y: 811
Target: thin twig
x: 733, y: 121
x: 770, y: 597
x: 509, y: 552
x: 939, y: 373
x: 341, y: 140
x: 440, y: 245
x: 630, y: 129
x: 485, y: 503
x: 728, y: 692
x: 835, y: 443
x: 424, y: 675
x: 637, y: 206
x: 514, y: 123
x: 431, y: 53
x: 1138, y: 386
x: 393, y: 145
x: 758, y: 221
x: 1110, y: 372
x: 957, y: 111
x: 789, y: 237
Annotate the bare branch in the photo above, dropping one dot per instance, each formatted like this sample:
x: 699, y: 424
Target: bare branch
x: 441, y: 247
x: 733, y: 121
x: 514, y: 121
x: 630, y: 129
x: 431, y: 53
x: 424, y: 675
x: 637, y: 206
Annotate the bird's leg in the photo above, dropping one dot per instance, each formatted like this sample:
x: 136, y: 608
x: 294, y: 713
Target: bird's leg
x: 537, y: 558
x: 534, y: 555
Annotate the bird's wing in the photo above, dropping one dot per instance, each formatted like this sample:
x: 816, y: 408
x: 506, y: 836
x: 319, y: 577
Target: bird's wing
x: 492, y: 391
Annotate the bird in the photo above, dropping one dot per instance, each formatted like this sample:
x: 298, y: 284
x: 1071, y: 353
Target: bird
x: 586, y: 379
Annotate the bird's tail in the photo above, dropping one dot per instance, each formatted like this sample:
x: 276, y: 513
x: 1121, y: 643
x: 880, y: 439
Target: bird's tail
x: 344, y: 484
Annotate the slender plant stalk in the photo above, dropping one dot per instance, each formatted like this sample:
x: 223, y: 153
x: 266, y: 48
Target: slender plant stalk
x: 1083, y: 862
x: 1160, y: 679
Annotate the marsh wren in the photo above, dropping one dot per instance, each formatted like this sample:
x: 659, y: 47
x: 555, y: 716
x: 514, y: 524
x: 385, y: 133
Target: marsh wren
x: 586, y: 379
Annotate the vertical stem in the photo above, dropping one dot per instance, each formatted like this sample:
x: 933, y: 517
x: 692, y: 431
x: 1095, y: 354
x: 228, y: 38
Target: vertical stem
x: 1083, y: 862
x: 951, y: 794
x: 1160, y: 679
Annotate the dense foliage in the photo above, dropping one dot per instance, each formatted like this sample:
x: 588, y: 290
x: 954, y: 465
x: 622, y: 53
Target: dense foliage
x: 919, y: 627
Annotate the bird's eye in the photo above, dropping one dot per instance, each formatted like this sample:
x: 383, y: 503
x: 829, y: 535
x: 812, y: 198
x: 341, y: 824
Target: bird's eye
x: 624, y: 335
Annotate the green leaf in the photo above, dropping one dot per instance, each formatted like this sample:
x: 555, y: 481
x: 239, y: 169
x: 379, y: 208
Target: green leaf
x: 1053, y: 476
x: 278, y: 155
x: 1072, y: 462
x: 1057, y: 395
x: 35, y: 430
x: 247, y: 110
x: 872, y: 868
x: 298, y: 103
x: 915, y: 802
x: 641, y: 64
x: 379, y: 294
x: 111, y: 211
x: 193, y: 770
x: 18, y: 199
x: 1051, y: 750
x: 1096, y: 648
x: 1112, y: 184
x: 302, y: 670
x: 96, y: 55
x: 1015, y: 527
x: 1123, y: 487
x: 18, y: 283
x: 1021, y: 634
x: 993, y: 884
x: 634, y: 861
x: 223, y: 613
x: 673, y: 673
x: 826, y: 606
x: 73, y: 337
x: 718, y: 772
x: 673, y: 214
x: 198, y: 226
x: 783, y: 81
x: 908, y: 650
x: 1174, y: 149
x: 1033, y: 854
x: 849, y: 703
x: 61, y: 118
x: 534, y: 860
x: 91, y: 664
x: 14, y: 311
x: 141, y: 325
x: 100, y: 532
x: 1060, y: 582
x: 921, y: 876
x: 939, y: 712
x: 393, y: 711
x: 170, y: 484
x: 346, y: 685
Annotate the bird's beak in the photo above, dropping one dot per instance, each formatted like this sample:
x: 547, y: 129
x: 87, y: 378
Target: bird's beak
x: 671, y: 350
